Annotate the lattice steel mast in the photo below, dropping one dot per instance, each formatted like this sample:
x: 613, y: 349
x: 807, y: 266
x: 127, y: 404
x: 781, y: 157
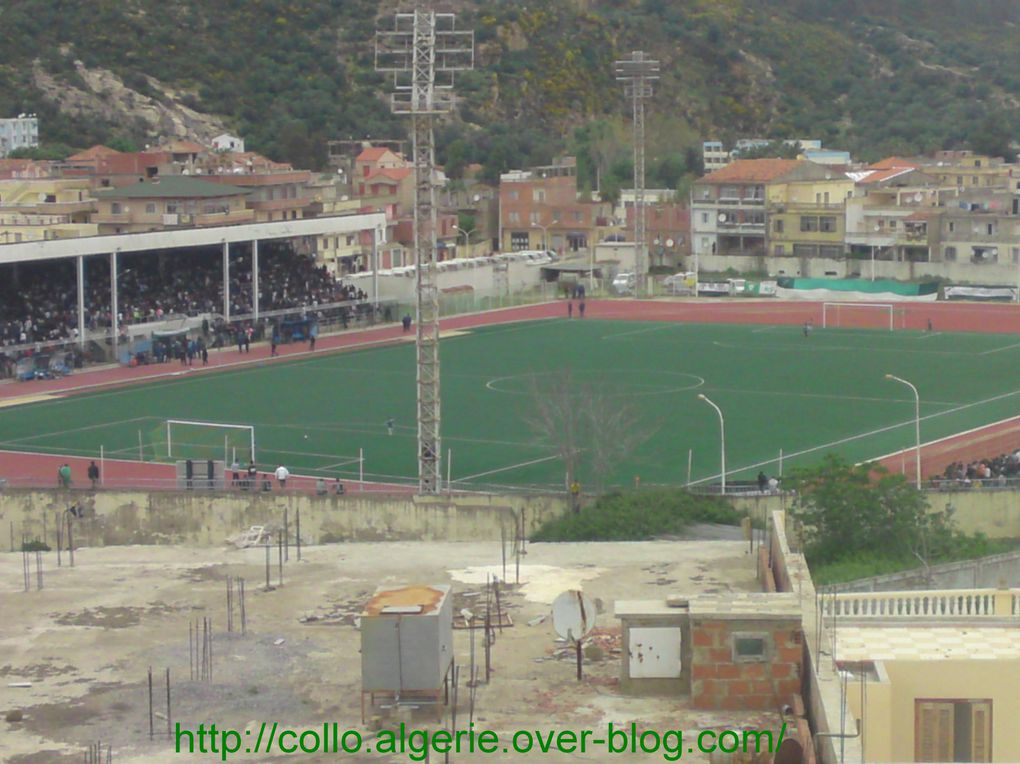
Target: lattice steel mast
x: 423, y: 51
x: 637, y: 74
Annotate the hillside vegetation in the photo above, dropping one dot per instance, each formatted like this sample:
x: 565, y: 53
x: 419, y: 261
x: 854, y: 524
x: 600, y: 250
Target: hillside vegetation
x: 897, y: 76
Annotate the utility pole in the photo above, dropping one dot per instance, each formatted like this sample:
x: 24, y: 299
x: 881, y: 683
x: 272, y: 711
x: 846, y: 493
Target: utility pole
x: 423, y: 51
x: 637, y: 74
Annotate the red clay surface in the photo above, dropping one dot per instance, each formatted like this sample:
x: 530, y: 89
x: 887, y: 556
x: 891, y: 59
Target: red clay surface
x: 27, y: 469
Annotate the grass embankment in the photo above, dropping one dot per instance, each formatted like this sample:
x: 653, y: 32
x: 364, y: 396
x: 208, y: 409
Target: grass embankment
x: 639, y: 516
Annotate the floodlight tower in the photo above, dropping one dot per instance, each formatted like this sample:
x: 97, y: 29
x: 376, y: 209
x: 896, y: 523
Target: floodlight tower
x: 423, y: 50
x: 637, y: 74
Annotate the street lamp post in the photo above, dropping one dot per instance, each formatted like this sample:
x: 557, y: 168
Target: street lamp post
x: 545, y: 234
x: 917, y: 423
x: 467, y: 237
x: 722, y: 439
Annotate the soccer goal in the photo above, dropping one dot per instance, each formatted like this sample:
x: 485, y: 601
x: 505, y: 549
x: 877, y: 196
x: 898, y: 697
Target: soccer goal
x: 859, y: 315
x: 184, y: 439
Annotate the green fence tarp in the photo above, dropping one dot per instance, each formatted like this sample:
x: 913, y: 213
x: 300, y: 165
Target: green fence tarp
x: 881, y: 286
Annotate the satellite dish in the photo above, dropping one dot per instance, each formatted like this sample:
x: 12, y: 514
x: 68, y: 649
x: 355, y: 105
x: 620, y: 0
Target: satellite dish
x: 722, y: 217
x: 476, y: 198
x: 669, y: 242
x: 918, y: 196
x: 573, y: 615
x: 790, y: 752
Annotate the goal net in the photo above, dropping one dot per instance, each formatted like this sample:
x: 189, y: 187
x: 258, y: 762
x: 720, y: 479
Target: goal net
x: 180, y: 439
x: 860, y: 315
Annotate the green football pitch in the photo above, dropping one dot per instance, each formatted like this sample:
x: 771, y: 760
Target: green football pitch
x: 778, y: 390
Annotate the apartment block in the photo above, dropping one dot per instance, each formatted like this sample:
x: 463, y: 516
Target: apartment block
x: 21, y: 132
x: 540, y: 209
x: 169, y: 202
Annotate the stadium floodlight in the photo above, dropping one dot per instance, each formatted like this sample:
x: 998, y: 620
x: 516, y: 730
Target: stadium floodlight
x: 722, y: 439
x: 917, y: 424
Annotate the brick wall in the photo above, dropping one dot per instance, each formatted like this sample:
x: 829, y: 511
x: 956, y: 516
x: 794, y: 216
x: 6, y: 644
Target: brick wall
x: 721, y: 683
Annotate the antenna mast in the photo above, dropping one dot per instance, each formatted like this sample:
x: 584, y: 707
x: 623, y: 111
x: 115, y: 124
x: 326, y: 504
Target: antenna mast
x: 423, y: 51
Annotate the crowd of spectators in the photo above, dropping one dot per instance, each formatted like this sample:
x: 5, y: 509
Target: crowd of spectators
x: 39, y: 301
x: 995, y: 471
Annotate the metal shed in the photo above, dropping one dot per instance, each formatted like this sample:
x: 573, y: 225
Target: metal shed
x: 407, y: 645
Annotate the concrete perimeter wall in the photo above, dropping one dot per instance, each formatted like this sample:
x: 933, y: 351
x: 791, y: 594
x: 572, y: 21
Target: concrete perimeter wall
x: 995, y: 513
x: 124, y: 517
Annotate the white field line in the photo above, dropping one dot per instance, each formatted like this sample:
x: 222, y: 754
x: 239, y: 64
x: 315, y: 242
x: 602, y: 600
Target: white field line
x: 999, y: 350
x: 115, y: 423
x: 507, y: 469
x: 831, y: 396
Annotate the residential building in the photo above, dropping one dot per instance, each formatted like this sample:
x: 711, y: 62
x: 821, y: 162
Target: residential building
x: 667, y: 226
x: 779, y: 208
x: 169, y: 202
x: 21, y: 132
x: 967, y: 170
x: 45, y: 208
x: 540, y: 209
x: 893, y: 212
x: 228, y: 142
x: 714, y: 156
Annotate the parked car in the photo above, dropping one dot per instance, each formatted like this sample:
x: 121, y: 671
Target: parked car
x: 624, y: 283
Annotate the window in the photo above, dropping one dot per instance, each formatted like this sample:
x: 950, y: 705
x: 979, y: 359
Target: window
x: 535, y: 218
x: 952, y: 226
x: 991, y: 229
x: 780, y: 250
x: 959, y: 180
x: 704, y: 217
x: 514, y: 217
x: 1016, y: 254
x: 950, y: 254
x: 171, y: 208
x: 538, y: 195
x: 750, y: 647
x: 805, y: 250
x: 952, y: 730
x: 827, y: 224
x: 519, y: 241
x: 808, y: 223
x: 150, y: 208
x: 511, y: 195
x: 578, y: 217
x: 832, y: 251
x: 115, y: 208
x: 892, y: 225
x: 778, y: 225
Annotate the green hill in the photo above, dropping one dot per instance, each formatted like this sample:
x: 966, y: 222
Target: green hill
x: 897, y: 76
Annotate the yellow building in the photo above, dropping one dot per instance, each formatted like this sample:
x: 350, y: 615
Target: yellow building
x: 965, y: 169
x: 807, y: 218
x: 45, y: 208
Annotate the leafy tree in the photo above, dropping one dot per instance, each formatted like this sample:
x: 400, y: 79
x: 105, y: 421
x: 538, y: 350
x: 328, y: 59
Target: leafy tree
x: 44, y: 151
x: 845, y: 510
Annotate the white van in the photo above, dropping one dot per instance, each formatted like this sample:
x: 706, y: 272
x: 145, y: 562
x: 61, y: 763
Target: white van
x: 624, y: 282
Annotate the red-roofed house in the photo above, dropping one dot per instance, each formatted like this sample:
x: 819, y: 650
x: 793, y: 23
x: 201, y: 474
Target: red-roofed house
x: 771, y: 215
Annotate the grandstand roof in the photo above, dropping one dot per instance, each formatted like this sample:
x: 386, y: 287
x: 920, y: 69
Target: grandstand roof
x: 173, y: 187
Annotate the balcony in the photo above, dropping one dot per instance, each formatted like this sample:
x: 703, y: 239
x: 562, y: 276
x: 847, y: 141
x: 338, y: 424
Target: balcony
x: 928, y: 605
x: 738, y: 227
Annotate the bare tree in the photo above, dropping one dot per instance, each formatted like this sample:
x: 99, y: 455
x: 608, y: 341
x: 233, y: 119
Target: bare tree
x: 592, y: 425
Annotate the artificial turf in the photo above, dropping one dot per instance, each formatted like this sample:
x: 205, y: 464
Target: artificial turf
x: 777, y: 388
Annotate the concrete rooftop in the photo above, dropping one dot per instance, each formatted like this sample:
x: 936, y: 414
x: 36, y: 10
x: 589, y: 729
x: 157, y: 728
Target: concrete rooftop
x: 86, y: 641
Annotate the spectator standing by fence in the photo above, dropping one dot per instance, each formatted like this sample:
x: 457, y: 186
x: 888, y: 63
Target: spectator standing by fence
x: 282, y: 473
x: 93, y: 473
x: 64, y: 476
